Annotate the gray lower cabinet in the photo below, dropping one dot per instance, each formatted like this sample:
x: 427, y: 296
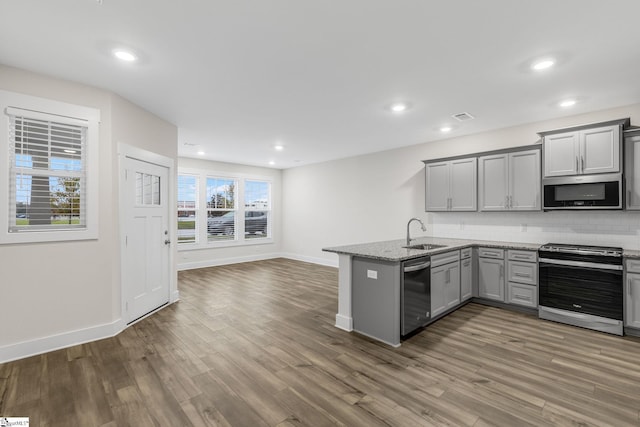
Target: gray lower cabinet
x: 445, y: 282
x: 491, y: 282
x: 522, y: 285
x: 466, y: 275
x: 376, y: 299
x: 632, y: 294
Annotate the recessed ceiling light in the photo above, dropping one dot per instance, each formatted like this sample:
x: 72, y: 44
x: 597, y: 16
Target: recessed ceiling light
x: 272, y: 163
x: 200, y: 153
x: 445, y: 129
x: 399, y: 107
x: 124, y: 55
x: 542, y: 64
x: 568, y: 103
x: 279, y: 147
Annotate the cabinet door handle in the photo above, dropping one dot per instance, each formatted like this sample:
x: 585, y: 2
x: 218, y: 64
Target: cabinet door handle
x: 577, y: 165
x: 521, y: 274
x: 581, y: 163
x: 629, y: 286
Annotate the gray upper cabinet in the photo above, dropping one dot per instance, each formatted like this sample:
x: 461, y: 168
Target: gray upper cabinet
x: 586, y: 151
x: 451, y: 185
x: 510, y: 181
x: 632, y: 170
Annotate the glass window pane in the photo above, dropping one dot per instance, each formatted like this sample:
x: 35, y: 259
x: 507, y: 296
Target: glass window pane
x: 155, y: 185
x: 256, y: 224
x: 186, y: 226
x: 139, y: 190
x: 221, y: 193
x: 256, y: 195
x: 187, y: 208
x: 221, y: 225
x: 147, y: 188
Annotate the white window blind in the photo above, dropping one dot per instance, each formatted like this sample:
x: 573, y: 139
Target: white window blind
x: 48, y: 172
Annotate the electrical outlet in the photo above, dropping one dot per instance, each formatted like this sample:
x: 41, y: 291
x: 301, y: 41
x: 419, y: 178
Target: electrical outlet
x: 372, y: 274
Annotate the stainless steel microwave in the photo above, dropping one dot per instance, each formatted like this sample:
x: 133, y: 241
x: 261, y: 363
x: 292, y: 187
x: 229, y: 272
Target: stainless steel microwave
x: 583, y: 192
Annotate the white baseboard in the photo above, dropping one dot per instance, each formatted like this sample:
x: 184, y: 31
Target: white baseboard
x: 30, y: 348
x: 56, y: 342
x: 344, y: 323
x: 313, y: 260
x: 34, y: 347
x: 226, y: 261
x: 259, y: 257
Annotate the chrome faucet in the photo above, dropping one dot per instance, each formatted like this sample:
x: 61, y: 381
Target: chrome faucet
x: 409, y: 223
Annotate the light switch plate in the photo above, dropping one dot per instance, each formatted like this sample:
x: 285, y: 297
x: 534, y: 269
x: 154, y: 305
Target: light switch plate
x: 372, y: 274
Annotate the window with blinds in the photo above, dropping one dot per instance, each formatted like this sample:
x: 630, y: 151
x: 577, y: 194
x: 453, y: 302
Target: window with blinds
x: 48, y: 172
x: 223, y: 211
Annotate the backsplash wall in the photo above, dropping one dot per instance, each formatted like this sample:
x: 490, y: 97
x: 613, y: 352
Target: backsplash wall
x: 608, y: 228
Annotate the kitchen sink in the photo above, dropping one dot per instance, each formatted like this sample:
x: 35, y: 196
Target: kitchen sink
x: 424, y: 247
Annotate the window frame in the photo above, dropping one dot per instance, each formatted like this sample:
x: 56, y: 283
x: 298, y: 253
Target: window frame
x: 201, y: 225
x: 67, y: 113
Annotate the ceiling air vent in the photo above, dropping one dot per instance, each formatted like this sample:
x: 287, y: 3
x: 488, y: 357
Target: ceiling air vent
x: 463, y: 117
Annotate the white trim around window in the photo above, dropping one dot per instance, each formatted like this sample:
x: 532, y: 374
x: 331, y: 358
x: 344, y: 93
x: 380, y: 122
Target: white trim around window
x: 71, y: 176
x: 203, y: 239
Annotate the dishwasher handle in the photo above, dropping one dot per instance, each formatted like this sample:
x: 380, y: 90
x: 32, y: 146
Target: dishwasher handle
x: 417, y: 267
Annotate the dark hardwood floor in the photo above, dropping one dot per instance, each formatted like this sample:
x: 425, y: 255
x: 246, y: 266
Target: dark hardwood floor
x: 254, y: 345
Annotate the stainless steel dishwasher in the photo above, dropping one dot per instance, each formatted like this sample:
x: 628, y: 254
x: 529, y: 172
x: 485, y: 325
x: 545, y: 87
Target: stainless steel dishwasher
x: 415, y: 294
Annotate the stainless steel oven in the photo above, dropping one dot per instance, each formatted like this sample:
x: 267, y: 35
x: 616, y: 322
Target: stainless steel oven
x: 581, y: 286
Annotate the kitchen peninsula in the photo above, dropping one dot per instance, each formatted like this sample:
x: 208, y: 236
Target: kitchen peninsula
x: 370, y: 276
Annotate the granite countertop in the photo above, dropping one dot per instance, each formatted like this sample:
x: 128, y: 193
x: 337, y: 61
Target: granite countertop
x: 392, y: 250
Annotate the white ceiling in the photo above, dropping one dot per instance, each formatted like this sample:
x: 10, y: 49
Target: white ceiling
x: 239, y: 76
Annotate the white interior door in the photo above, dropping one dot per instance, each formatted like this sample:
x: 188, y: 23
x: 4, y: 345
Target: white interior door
x: 146, y: 261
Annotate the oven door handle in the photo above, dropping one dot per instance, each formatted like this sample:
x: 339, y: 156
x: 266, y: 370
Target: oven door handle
x: 580, y: 264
